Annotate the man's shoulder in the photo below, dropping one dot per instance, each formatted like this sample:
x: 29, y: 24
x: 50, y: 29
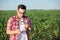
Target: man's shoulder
x: 12, y: 17
x: 26, y: 17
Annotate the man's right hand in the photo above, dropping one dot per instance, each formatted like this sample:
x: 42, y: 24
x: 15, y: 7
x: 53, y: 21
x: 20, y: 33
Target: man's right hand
x: 17, y: 31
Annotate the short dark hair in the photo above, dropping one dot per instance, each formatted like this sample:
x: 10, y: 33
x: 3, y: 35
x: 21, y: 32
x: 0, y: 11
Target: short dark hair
x: 21, y: 6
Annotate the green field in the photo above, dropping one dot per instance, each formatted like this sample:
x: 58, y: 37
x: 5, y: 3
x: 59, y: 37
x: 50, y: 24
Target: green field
x: 46, y: 24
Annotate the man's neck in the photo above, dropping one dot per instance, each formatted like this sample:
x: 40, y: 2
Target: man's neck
x: 19, y: 18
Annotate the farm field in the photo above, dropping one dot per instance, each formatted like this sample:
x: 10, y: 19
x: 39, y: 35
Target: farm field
x: 46, y: 24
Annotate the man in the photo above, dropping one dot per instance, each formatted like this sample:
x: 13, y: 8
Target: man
x: 18, y: 25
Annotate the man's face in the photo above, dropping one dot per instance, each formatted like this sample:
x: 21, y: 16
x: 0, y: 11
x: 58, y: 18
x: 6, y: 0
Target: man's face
x: 20, y: 12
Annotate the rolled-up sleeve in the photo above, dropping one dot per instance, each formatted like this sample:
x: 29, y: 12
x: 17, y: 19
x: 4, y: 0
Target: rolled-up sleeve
x: 30, y: 24
x: 9, y: 24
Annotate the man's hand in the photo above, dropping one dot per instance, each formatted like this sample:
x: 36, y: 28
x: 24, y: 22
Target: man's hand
x: 26, y: 25
x: 17, y: 31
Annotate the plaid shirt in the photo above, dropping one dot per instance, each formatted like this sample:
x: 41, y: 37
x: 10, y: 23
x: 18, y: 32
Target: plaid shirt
x: 13, y: 24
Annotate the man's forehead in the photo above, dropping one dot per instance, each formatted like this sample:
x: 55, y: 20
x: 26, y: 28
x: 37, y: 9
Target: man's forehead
x: 21, y: 10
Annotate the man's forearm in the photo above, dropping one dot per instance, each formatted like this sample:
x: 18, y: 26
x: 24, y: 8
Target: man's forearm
x: 11, y: 32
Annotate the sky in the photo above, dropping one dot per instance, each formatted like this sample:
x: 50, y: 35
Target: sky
x: 30, y: 4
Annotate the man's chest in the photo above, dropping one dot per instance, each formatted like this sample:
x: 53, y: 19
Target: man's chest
x: 21, y: 25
